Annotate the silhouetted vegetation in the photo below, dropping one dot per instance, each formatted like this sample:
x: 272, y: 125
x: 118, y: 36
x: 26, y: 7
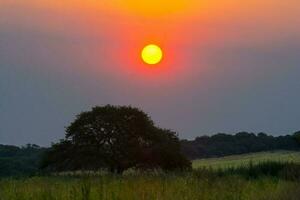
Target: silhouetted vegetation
x: 19, y: 161
x: 224, y: 144
x: 297, y: 137
x: 115, y: 138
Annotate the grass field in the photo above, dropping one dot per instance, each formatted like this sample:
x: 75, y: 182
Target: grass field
x: 240, y: 160
x: 199, y: 184
x: 148, y: 188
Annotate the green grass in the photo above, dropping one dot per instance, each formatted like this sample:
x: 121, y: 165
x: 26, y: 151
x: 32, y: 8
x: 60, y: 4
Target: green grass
x: 242, y: 160
x: 232, y: 178
x: 164, y: 187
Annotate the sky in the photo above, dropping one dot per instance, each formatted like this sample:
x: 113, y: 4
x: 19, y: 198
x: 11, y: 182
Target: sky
x: 229, y: 65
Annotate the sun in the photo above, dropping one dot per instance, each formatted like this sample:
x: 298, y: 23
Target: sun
x: 152, y: 54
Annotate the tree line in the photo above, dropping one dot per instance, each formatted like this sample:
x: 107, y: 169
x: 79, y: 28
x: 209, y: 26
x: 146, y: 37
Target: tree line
x: 222, y: 144
x: 19, y: 161
x: 117, y: 138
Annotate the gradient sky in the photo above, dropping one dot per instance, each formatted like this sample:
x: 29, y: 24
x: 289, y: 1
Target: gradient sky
x: 229, y: 66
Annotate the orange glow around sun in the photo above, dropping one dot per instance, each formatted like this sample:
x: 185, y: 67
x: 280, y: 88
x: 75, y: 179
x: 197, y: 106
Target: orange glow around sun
x: 118, y: 30
x: 128, y: 26
x: 109, y: 35
x: 154, y: 7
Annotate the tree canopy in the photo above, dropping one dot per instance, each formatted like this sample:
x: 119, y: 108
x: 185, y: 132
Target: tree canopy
x: 297, y: 137
x: 116, y: 138
x: 222, y: 144
x: 19, y: 161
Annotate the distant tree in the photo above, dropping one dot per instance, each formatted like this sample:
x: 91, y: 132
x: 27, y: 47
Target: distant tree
x: 262, y: 135
x: 31, y: 146
x: 117, y: 138
x: 16, y: 161
x: 297, y: 136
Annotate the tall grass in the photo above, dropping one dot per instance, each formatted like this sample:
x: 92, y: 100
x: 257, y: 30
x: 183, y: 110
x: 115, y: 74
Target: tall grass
x: 280, y: 170
x: 244, y: 159
x: 264, y: 181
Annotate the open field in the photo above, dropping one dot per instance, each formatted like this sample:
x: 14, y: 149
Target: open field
x: 240, y: 160
x: 168, y: 187
x: 262, y: 181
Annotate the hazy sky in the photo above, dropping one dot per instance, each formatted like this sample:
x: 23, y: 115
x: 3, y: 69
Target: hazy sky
x: 229, y: 66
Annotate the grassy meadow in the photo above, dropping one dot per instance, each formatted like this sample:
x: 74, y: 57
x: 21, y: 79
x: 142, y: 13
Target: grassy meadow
x: 245, y: 159
x: 262, y: 179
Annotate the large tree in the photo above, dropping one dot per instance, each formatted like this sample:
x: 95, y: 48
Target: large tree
x: 117, y: 138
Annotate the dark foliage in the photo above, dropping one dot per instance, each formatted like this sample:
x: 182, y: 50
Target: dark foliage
x: 278, y: 170
x: 16, y: 161
x: 224, y: 144
x: 19, y: 161
x: 282, y: 170
x: 297, y: 137
x: 116, y: 138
